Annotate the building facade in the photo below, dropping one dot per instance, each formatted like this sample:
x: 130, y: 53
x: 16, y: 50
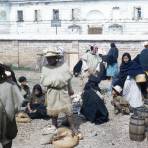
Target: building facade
x: 76, y: 17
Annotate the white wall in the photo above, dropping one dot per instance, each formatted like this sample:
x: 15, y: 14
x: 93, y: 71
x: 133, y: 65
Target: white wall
x: 124, y: 17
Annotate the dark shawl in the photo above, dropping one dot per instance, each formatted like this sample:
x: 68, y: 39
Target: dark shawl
x: 143, y: 58
x: 77, y: 68
x: 93, y: 107
x: 131, y: 68
x: 112, y: 56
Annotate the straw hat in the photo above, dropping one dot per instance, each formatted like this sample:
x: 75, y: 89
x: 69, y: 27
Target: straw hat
x: 51, y: 52
x: 117, y: 88
x: 140, y: 78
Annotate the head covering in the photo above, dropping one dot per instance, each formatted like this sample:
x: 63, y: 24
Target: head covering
x: 51, y: 52
x: 145, y: 43
x: 117, y: 88
x: 112, y: 45
x: 60, y: 50
x: 8, y: 73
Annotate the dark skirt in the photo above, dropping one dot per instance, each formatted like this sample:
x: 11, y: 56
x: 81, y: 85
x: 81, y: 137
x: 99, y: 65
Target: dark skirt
x: 40, y: 111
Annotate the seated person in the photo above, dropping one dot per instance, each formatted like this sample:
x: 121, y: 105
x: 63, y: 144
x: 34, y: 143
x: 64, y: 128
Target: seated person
x: 36, y: 108
x: 25, y: 90
x: 93, y: 106
x: 120, y: 105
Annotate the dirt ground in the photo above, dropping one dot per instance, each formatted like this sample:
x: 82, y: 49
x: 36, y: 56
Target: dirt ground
x: 113, y: 134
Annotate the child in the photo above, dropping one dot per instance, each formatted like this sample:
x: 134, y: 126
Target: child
x: 120, y: 105
x: 36, y: 108
x: 25, y: 90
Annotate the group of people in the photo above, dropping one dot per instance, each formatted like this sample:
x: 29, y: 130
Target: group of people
x: 56, y: 78
x: 15, y: 96
x: 129, y: 82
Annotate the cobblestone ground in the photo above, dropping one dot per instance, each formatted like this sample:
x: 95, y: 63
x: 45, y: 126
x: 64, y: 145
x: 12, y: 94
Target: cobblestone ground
x: 113, y: 134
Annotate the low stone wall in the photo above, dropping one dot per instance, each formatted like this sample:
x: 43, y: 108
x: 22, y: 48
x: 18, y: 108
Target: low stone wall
x: 24, y: 53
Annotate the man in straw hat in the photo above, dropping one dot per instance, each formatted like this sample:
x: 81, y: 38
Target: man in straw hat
x: 57, y: 78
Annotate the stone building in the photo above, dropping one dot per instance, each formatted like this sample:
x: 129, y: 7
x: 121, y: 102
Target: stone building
x: 81, y: 17
x: 29, y: 26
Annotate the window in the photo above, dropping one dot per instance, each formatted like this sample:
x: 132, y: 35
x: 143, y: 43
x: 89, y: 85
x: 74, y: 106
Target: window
x: 55, y: 14
x: 95, y: 30
x: 116, y: 13
x: 20, y: 16
x: 3, y: 15
x: 137, y: 13
x: 72, y: 16
x: 36, y: 15
x: 75, y: 14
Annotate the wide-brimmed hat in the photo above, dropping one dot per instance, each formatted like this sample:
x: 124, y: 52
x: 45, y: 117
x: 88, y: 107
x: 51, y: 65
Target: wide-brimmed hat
x: 117, y: 88
x: 51, y: 52
x: 140, y: 78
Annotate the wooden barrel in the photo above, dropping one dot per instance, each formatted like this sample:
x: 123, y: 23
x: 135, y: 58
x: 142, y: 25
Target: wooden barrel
x: 146, y: 132
x: 136, y: 128
x: 142, y: 112
x: 146, y: 103
x: 146, y: 118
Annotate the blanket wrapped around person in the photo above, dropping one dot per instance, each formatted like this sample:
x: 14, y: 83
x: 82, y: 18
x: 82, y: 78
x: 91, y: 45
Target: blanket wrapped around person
x: 93, y: 107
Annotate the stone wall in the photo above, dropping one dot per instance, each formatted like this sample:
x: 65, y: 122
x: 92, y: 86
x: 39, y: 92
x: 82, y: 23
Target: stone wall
x: 26, y: 52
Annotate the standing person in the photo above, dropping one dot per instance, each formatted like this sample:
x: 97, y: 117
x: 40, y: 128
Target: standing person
x: 112, y: 64
x: 90, y: 60
x: 127, y: 68
x: 10, y: 102
x: 126, y: 80
x: 57, y: 78
x: 143, y: 59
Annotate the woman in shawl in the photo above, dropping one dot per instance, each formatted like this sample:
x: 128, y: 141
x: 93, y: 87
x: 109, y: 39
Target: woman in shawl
x: 36, y: 107
x: 57, y: 78
x: 127, y: 68
x: 112, y: 57
x: 10, y: 102
x: 126, y: 80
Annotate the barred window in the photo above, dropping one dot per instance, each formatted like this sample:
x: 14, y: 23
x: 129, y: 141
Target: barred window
x: 20, y: 16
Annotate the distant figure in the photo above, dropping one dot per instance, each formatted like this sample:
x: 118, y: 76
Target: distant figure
x: 112, y: 64
x: 10, y: 103
x: 25, y: 90
x: 92, y: 59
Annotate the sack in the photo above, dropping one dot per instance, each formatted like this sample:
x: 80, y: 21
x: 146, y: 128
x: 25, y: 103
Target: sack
x: 11, y: 129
